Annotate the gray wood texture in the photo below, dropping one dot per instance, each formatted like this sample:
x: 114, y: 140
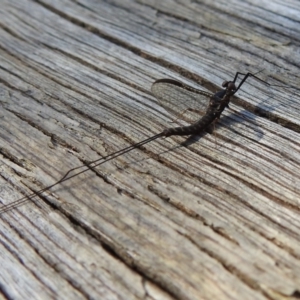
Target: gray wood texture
x: 209, y: 217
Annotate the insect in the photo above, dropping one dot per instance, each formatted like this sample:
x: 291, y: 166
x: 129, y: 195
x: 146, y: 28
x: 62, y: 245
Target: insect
x: 182, y: 101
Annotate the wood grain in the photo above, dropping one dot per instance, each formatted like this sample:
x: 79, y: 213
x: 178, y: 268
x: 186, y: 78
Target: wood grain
x: 206, y: 217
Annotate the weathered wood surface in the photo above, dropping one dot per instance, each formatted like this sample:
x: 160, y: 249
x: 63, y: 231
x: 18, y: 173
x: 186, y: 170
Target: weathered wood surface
x: 217, y: 219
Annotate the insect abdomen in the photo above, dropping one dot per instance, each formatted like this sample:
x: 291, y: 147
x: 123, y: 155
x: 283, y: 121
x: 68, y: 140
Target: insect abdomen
x: 191, y: 129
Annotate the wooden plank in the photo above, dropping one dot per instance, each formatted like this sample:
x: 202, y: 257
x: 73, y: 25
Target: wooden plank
x: 216, y: 218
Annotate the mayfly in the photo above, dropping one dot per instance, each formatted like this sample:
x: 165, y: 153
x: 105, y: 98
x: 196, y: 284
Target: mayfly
x: 181, y: 100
